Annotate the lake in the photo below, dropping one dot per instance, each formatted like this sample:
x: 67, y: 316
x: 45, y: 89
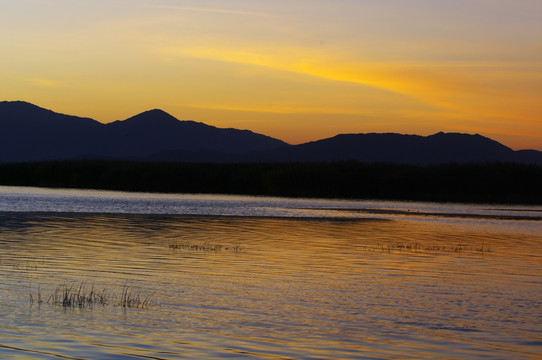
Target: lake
x: 218, y: 276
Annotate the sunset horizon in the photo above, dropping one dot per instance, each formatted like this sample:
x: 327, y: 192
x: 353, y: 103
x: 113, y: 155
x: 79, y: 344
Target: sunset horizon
x: 293, y: 71
x: 251, y: 130
x: 293, y: 179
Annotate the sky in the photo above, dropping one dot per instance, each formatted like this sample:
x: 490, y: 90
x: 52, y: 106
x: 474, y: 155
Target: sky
x: 297, y: 70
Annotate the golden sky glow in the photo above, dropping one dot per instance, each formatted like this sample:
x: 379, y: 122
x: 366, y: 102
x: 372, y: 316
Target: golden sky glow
x: 295, y: 70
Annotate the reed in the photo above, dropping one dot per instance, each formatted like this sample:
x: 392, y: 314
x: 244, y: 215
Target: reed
x: 433, y: 248
x: 71, y: 295
x: 39, y: 299
x: 129, y: 299
x: 28, y: 265
x: 204, y: 247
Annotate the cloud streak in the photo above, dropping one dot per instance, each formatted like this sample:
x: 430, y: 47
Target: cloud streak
x: 416, y: 65
x: 43, y: 83
x: 431, y: 83
x: 210, y: 10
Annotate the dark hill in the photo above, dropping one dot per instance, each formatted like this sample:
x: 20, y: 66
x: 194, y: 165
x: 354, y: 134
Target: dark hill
x: 155, y: 117
x: 156, y: 131
x: 30, y: 133
x: 403, y: 149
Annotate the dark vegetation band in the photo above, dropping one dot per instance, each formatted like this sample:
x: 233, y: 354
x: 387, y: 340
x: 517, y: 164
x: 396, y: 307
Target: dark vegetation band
x: 506, y: 183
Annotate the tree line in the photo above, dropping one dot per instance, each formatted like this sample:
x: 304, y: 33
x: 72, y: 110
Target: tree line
x: 505, y: 183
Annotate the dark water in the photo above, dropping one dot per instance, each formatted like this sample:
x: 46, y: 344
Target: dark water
x: 241, y: 277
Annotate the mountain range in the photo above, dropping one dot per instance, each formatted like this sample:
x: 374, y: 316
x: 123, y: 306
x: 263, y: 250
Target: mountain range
x: 29, y: 133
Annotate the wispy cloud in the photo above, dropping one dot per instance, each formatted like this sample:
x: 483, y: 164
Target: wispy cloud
x: 290, y: 59
x: 210, y: 10
x: 463, y: 89
x: 43, y: 83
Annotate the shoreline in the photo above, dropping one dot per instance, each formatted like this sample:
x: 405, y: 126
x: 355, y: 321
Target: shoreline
x: 473, y: 183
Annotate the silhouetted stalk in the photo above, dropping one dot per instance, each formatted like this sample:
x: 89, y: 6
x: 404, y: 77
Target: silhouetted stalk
x: 70, y: 296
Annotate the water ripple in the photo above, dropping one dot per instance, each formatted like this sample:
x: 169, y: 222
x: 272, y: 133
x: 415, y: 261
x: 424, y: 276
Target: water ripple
x: 269, y: 287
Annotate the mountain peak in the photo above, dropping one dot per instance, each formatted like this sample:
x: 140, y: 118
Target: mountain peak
x: 31, y: 133
x: 154, y: 116
x: 17, y: 103
x: 467, y: 140
x: 22, y: 113
x: 157, y: 112
x: 20, y: 106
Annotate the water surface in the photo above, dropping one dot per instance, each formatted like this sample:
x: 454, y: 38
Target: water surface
x: 249, y: 277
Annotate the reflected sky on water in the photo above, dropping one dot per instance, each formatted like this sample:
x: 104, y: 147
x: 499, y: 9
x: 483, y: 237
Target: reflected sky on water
x: 275, y: 278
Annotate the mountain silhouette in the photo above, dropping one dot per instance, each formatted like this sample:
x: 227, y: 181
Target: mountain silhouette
x: 404, y: 149
x: 30, y: 133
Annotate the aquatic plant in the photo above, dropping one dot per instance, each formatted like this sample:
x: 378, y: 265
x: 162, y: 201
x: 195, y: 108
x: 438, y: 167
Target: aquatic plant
x: 71, y: 295
x: 129, y: 299
x: 68, y: 295
x: 39, y: 299
x: 204, y: 247
x: 28, y: 265
x: 435, y: 248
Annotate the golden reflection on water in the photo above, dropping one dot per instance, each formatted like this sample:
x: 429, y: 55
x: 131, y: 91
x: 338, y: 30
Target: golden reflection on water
x: 274, y: 288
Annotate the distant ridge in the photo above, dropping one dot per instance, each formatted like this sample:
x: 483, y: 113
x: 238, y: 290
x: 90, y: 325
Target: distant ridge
x: 29, y: 133
x: 403, y: 149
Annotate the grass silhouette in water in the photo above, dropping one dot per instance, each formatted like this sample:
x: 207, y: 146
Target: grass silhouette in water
x: 431, y: 248
x: 129, y: 299
x: 205, y: 247
x: 72, y: 296
x: 79, y: 296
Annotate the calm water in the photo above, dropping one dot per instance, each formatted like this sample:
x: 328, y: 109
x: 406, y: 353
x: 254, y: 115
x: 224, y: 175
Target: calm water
x: 248, y: 277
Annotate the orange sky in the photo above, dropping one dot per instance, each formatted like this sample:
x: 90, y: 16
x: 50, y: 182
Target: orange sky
x: 294, y: 70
